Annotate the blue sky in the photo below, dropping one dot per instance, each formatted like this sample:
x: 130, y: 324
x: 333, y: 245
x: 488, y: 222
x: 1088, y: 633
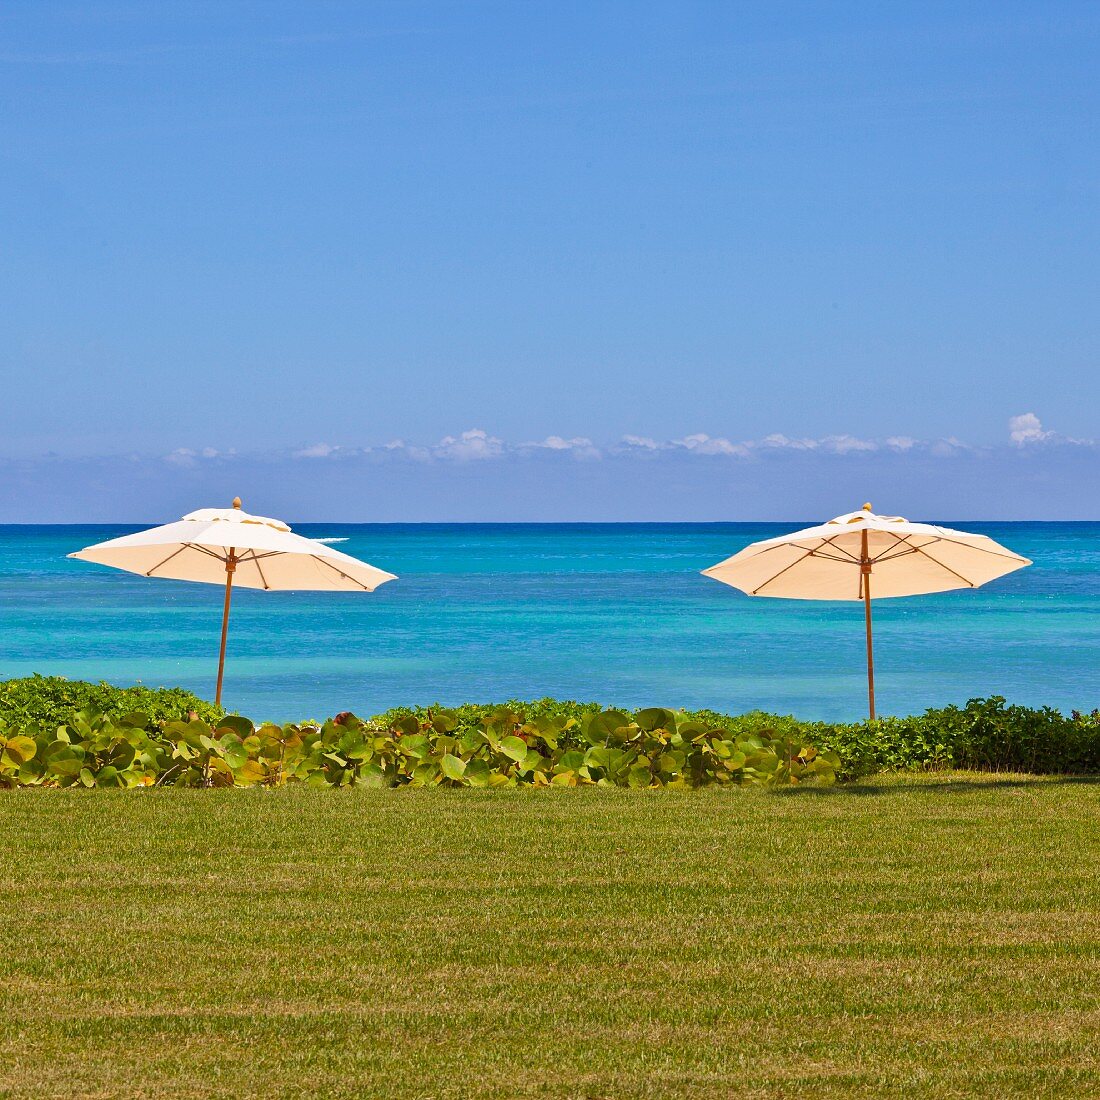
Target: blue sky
x: 593, y: 260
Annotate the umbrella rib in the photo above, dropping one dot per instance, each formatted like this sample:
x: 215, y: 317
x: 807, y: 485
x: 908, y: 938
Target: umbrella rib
x: 981, y: 549
x: 937, y: 561
x: 848, y: 559
x: 759, y: 553
x: 340, y: 571
x: 757, y: 591
x: 894, y: 557
x: 841, y: 550
x: 206, y: 550
x: 255, y: 559
x: 898, y: 540
x: 185, y: 546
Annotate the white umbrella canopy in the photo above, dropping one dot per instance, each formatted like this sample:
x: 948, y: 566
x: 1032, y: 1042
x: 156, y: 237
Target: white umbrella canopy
x: 863, y: 556
x: 905, y: 559
x: 267, y: 554
x: 231, y: 547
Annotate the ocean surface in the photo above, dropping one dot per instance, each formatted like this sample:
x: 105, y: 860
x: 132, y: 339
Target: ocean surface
x: 616, y: 613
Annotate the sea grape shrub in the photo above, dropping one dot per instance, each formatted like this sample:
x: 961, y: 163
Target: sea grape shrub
x: 986, y: 734
x: 504, y: 748
x: 51, y: 700
x: 89, y: 750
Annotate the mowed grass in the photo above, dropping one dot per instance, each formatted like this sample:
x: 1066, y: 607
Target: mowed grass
x: 932, y: 937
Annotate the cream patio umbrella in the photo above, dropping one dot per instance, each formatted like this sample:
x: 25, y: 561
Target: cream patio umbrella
x: 861, y: 556
x: 228, y: 546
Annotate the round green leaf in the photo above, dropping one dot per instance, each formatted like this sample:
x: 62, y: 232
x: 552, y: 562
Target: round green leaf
x: 452, y: 767
x: 18, y: 750
x: 477, y: 773
x: 515, y: 747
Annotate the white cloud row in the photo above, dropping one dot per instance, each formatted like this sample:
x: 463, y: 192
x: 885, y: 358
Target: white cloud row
x: 186, y: 457
x: 471, y: 445
x: 476, y: 444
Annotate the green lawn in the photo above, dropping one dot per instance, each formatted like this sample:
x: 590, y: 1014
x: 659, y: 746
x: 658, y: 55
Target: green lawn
x: 926, y: 937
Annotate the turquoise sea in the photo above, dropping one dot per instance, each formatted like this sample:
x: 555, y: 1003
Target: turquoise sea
x: 616, y: 613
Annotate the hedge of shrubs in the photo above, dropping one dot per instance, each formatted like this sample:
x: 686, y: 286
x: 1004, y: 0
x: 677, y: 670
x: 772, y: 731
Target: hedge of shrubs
x: 985, y: 735
x: 55, y: 732
x: 52, y: 700
x: 653, y: 748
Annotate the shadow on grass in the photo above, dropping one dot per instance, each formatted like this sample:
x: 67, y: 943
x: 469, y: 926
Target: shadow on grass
x: 863, y: 789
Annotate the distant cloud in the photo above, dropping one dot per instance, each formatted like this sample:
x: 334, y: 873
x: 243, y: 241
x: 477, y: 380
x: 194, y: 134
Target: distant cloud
x: 778, y: 441
x: 948, y: 448
x: 318, y: 450
x: 477, y: 444
x: 847, y: 444
x: 406, y: 450
x: 900, y: 443
x: 698, y: 443
x: 474, y: 444
x: 185, y: 457
x: 640, y: 443
x: 1026, y: 428
x: 704, y: 444
x: 578, y: 446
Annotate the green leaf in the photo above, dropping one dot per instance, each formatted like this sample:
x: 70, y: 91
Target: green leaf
x: 251, y: 771
x: 236, y: 724
x: 66, y: 766
x: 477, y: 773
x: 609, y: 726
x: 735, y: 762
x: 426, y: 773
x: 656, y: 718
x: 452, y: 767
x: 515, y: 747
x: 233, y: 752
x: 122, y: 755
x: 532, y: 761
x: 32, y: 771
x: 371, y: 775
x: 18, y: 750
x: 612, y: 761
x: 134, y: 719
x: 570, y: 761
x: 416, y: 746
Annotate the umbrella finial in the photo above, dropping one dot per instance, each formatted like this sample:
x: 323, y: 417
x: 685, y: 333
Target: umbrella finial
x: 867, y: 507
x: 236, y: 502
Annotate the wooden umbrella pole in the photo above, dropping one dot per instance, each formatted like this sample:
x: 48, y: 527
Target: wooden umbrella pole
x: 865, y: 576
x: 230, y: 568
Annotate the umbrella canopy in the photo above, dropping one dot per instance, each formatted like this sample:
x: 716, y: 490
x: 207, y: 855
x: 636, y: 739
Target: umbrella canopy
x: 906, y: 559
x: 231, y: 547
x: 267, y: 554
x: 860, y: 556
